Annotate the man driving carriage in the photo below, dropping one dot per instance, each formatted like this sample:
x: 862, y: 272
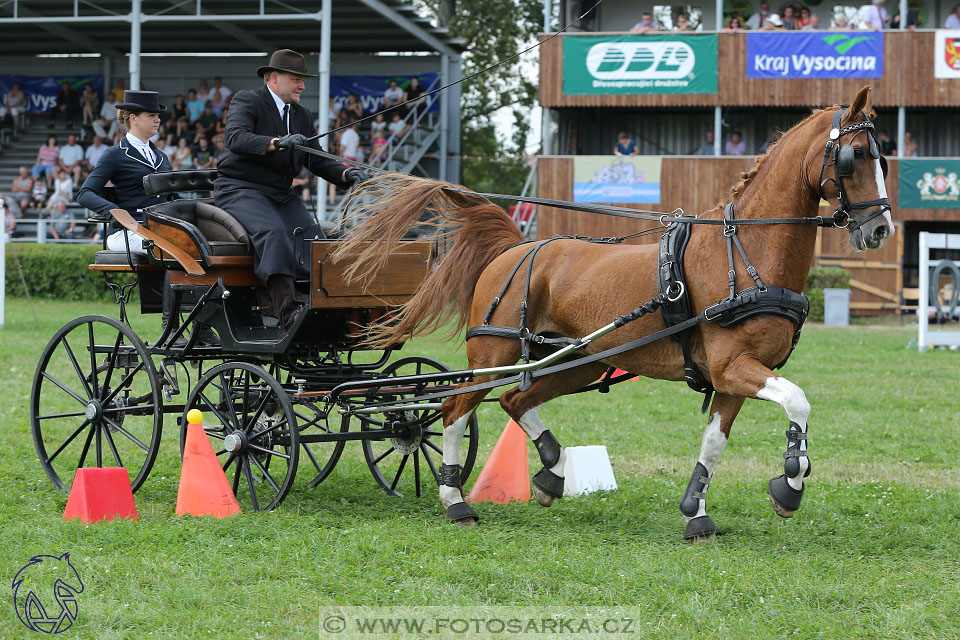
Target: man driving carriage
x: 256, y: 174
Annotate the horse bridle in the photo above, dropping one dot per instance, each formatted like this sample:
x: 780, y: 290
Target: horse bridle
x: 841, y: 158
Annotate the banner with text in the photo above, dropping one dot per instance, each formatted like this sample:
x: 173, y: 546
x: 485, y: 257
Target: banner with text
x: 815, y: 55
x: 929, y: 184
x: 41, y: 91
x: 947, y: 52
x: 614, y: 180
x: 369, y: 89
x: 639, y: 64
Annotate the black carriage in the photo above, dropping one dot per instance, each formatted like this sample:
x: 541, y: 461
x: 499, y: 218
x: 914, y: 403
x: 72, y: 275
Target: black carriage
x: 101, y: 392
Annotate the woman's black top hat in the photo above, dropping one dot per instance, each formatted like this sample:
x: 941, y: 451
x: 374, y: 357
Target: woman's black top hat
x: 289, y: 61
x: 140, y: 101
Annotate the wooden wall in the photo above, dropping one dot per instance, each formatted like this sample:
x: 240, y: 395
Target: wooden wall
x: 907, y: 81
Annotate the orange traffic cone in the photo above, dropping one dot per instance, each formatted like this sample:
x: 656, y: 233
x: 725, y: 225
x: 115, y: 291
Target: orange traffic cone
x: 506, y: 475
x: 204, y: 489
x: 100, y: 493
x: 618, y: 372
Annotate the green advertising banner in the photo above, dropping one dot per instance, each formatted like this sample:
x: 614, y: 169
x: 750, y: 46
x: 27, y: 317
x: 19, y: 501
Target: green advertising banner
x: 639, y: 64
x: 929, y: 184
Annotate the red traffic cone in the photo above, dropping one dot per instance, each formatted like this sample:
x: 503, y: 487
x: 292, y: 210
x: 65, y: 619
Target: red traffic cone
x: 618, y: 372
x: 100, y: 493
x: 204, y: 489
x: 506, y: 475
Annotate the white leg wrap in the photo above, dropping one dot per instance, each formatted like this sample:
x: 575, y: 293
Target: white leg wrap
x: 557, y: 469
x: 531, y: 425
x: 452, y: 436
x: 794, y: 402
x: 711, y: 448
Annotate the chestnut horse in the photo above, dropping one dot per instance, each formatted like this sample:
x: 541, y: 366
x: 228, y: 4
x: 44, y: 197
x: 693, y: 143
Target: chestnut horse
x: 577, y: 287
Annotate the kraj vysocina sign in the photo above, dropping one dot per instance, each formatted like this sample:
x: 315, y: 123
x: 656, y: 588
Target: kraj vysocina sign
x: 929, y: 184
x: 639, y: 64
x: 837, y: 54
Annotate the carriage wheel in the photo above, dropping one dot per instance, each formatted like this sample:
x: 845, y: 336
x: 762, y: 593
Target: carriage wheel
x: 322, y: 456
x: 249, y: 418
x: 413, y: 454
x: 96, y: 402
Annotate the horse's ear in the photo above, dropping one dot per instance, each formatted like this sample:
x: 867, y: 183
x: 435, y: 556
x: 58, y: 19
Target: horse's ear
x: 863, y: 102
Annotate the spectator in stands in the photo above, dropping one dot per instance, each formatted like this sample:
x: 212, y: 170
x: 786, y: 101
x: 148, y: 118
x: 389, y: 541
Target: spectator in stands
x: 179, y: 116
x: 953, y: 20
x: 840, y: 23
x: 195, y: 107
x: 734, y: 25
x: 352, y: 110
x: 350, y: 143
x: 14, y: 104
x: 47, y: 157
x: 67, y: 105
x: 333, y: 114
x: 910, y: 149
x: 64, y: 223
x: 117, y: 92
x: 302, y: 184
x: 90, y: 100
x: 62, y: 190
x: 948, y: 313
x: 203, y: 155
x: 92, y: 155
x: 219, y: 149
x: 913, y: 20
x: 813, y: 25
x: 203, y: 92
x: 789, y: 19
x: 71, y: 158
x: 378, y: 144
x: 625, y: 146
x: 379, y: 123
x: 9, y: 215
x: 393, y: 95
x: 106, y: 125
x: 772, y: 137
x: 38, y: 195
x: 205, y: 124
x: 888, y: 147
x: 397, y: 127
x: 763, y: 19
x: 220, y: 128
x: 182, y: 157
x: 706, y: 147
x: 415, y: 92
x: 804, y: 19
x: 216, y: 104
x: 21, y: 188
x: 163, y: 147
x: 875, y: 17
x: 682, y: 24
x: 735, y: 146
x: 646, y: 25
x: 218, y: 87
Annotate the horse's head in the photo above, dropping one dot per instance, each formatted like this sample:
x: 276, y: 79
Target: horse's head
x: 852, y: 173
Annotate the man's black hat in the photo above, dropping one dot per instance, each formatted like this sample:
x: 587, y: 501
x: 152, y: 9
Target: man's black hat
x: 289, y: 61
x: 140, y: 101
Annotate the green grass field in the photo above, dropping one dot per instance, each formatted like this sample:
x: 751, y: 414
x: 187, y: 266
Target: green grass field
x: 872, y: 553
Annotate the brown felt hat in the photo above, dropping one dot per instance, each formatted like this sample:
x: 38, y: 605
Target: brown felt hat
x: 286, y: 60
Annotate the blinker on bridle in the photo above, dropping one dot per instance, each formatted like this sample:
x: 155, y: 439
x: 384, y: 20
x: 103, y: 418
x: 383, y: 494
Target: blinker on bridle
x: 842, y: 158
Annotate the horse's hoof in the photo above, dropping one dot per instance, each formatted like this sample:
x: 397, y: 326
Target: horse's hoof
x: 545, y: 499
x: 709, y: 539
x: 700, y: 529
x: 784, y: 498
x: 466, y: 522
x: 460, y: 513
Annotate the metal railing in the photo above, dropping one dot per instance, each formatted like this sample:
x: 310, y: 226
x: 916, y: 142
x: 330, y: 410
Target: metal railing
x: 386, y: 156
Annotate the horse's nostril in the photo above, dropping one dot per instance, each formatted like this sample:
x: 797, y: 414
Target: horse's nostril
x: 880, y: 233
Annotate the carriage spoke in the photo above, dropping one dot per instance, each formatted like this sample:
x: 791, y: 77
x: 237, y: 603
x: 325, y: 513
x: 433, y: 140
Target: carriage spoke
x: 227, y: 392
x: 224, y: 420
x: 112, y: 364
x: 384, y: 455
x: 396, y: 478
x: 256, y: 416
x: 433, y: 468
x: 123, y: 383
x: 433, y: 446
x: 313, y: 458
x: 69, y: 414
x: 113, y: 447
x: 76, y: 366
x: 416, y: 472
x: 93, y: 360
x: 124, y: 409
x: 266, y: 474
x: 67, y: 389
x: 229, y: 460
x: 269, y: 451
x: 236, y: 475
x: 249, y: 476
x: 86, y: 447
x: 68, y: 441
x: 246, y: 394
x: 126, y: 433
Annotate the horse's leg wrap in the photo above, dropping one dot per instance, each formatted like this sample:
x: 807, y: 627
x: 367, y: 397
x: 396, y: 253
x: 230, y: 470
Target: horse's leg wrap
x: 791, y: 463
x: 693, y: 504
x: 457, y: 511
x: 548, y: 448
x: 796, y: 464
x: 696, y: 491
x: 549, y: 483
x: 451, y: 494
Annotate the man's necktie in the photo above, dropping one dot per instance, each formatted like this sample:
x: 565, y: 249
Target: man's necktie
x: 286, y: 117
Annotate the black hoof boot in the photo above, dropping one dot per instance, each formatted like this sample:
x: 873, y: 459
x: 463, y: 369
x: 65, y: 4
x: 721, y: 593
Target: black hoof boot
x: 462, y: 514
x: 784, y: 498
x: 700, y: 529
x: 547, y: 486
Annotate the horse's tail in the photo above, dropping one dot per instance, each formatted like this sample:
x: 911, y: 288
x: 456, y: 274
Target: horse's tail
x: 470, y: 231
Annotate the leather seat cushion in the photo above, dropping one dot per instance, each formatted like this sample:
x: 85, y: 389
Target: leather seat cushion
x: 217, y: 225
x: 119, y: 257
x: 220, y: 248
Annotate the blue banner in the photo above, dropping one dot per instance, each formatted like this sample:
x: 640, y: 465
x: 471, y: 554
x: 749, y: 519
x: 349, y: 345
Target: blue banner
x: 815, y: 54
x: 369, y: 89
x: 42, y: 91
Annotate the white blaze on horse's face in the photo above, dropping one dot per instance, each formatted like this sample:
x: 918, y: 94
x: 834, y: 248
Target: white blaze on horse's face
x: 882, y: 193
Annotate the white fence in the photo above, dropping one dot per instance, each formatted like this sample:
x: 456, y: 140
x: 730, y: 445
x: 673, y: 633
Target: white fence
x: 927, y: 337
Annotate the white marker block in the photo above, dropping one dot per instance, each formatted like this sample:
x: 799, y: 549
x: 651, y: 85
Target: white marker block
x: 587, y: 469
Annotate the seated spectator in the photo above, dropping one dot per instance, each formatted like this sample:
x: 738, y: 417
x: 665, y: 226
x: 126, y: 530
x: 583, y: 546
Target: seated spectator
x: 735, y: 146
x: 106, y: 125
x: 682, y: 24
x: 118, y: 90
x: 219, y: 149
x: 875, y: 17
x: 162, y: 146
x: 14, y: 103
x: 90, y: 100
x: 351, y: 111
x: 203, y: 92
x: 220, y: 129
x: 913, y: 20
x: 840, y: 23
x: 195, y: 107
x: 203, y: 155
x: 38, y: 196
x: 62, y: 190
x: 350, y: 143
x: 302, y: 182
x: 397, y: 127
x: 47, y: 157
x: 63, y: 225
x: 625, y: 145
x: 205, y: 124
x: 182, y: 157
x: 888, y: 147
x: 218, y: 87
x: 216, y: 104
x: 646, y: 25
x: 804, y: 20
x: 71, y: 158
x: 953, y: 20
x: 21, y: 188
x: 379, y: 123
x: 910, y: 149
x: 67, y: 106
x: 393, y: 95
x: 763, y: 19
x: 813, y: 25
x: 706, y: 147
x: 733, y: 25
x: 789, y: 18
x: 379, y: 145
x: 415, y: 93
x: 772, y: 137
x: 9, y: 215
x: 333, y: 114
x: 179, y: 116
